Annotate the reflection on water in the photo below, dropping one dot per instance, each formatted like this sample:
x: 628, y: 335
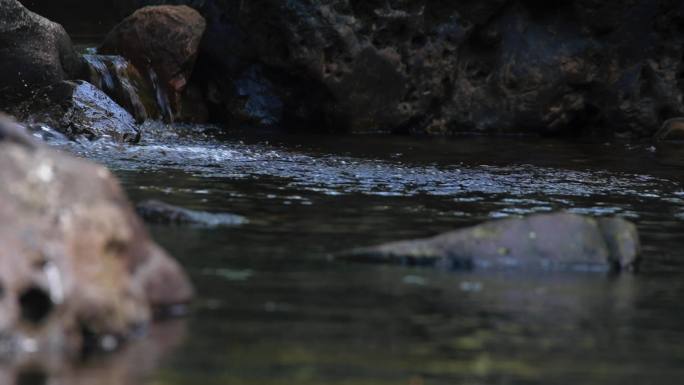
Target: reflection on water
x: 273, y: 309
x: 132, y: 365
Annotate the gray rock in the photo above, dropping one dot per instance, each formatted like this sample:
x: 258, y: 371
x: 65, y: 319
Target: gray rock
x: 35, y: 53
x: 552, y: 242
x: 159, y: 212
x: 79, y: 109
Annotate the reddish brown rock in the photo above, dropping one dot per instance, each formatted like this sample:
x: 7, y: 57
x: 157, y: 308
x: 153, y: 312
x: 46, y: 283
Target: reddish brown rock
x: 75, y: 259
x: 162, y: 42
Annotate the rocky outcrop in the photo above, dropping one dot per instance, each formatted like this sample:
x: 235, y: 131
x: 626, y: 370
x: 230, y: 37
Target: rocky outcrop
x: 443, y: 67
x: 162, y: 42
x: 575, y: 67
x: 79, y: 109
x: 547, y: 242
x: 159, y: 212
x: 76, y: 264
x: 35, y: 53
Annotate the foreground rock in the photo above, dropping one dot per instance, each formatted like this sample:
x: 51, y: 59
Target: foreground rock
x: 76, y: 264
x: 162, y: 42
x: 159, y: 212
x: 541, y: 242
x: 79, y: 109
x: 35, y: 53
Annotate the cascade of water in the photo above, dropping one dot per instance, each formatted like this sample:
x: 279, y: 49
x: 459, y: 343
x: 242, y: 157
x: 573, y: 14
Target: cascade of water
x: 162, y: 97
x: 122, y: 82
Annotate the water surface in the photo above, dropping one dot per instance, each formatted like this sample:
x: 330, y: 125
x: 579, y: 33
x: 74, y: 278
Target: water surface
x: 273, y: 308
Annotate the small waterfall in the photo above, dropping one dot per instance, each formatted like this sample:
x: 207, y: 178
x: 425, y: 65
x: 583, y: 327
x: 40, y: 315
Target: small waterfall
x: 162, y: 97
x: 124, y: 84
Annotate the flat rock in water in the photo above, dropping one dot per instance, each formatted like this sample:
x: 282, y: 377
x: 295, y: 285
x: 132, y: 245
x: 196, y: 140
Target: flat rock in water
x: 549, y: 242
x: 159, y: 212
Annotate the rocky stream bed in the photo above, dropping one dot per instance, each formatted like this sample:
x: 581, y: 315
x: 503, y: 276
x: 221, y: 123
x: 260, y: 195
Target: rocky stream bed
x: 210, y: 192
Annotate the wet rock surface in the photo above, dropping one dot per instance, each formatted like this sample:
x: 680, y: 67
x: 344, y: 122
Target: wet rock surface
x: 153, y: 211
x: 76, y: 264
x: 162, y: 42
x: 122, y: 82
x: 547, y: 242
x: 35, y: 53
x: 79, y: 109
x: 578, y: 67
x: 440, y: 67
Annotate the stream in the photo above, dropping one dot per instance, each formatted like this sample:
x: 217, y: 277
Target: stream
x: 274, y: 308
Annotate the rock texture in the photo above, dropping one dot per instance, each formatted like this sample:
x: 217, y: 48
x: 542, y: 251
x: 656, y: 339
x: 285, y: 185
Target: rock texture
x: 439, y: 67
x: 75, y: 262
x: 572, y: 67
x: 79, y: 109
x: 162, y: 42
x: 122, y: 82
x: 546, y: 242
x: 35, y: 53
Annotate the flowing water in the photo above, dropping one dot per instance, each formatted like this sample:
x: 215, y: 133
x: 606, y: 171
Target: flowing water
x: 274, y: 308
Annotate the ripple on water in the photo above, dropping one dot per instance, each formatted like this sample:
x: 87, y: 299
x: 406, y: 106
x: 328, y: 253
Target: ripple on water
x: 519, y: 188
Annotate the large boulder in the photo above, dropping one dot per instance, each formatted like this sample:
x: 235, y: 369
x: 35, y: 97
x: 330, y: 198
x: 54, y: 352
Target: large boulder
x: 573, y: 67
x: 580, y: 66
x: 75, y: 262
x: 162, y: 42
x: 79, y: 109
x: 82, y: 19
x: 548, y: 242
x: 35, y: 53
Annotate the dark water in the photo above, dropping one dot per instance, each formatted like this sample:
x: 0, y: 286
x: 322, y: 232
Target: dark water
x: 273, y: 308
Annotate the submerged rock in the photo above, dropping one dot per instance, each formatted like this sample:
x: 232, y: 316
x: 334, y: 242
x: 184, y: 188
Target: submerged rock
x: 35, y: 53
x: 561, y: 241
x: 159, y: 212
x: 75, y: 262
x: 79, y: 109
x: 162, y: 42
